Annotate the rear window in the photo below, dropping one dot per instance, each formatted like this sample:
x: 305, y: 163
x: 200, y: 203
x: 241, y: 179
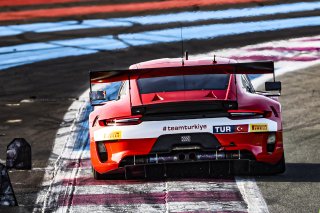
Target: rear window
x: 181, y: 82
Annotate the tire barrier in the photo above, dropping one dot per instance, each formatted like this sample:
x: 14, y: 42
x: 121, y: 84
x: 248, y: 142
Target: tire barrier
x: 19, y: 154
x: 7, y: 197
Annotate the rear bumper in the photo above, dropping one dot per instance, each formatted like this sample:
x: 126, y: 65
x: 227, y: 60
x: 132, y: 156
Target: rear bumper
x: 203, y: 169
x: 190, y: 169
x: 252, y: 143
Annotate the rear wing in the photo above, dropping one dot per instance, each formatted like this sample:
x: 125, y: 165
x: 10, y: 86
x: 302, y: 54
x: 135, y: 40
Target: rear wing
x: 109, y: 76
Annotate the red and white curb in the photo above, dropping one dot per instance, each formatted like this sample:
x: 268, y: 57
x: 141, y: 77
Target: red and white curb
x: 68, y: 185
x: 288, y: 55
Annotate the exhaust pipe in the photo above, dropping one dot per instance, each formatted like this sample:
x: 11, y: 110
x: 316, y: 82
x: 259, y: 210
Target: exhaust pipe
x: 162, y: 159
x: 213, y: 156
x: 168, y: 158
x: 182, y: 156
x: 220, y: 156
x: 192, y: 156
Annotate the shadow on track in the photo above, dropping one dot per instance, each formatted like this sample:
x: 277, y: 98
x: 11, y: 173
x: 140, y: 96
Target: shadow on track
x: 296, y: 172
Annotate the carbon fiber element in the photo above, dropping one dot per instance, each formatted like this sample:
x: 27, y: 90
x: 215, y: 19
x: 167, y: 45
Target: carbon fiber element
x: 190, y: 169
x: 166, y: 143
x: 177, y: 108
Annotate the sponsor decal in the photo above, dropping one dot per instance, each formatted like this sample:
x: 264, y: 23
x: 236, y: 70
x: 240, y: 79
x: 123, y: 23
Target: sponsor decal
x: 184, y: 127
x: 114, y: 135
x: 230, y: 128
x: 258, y: 127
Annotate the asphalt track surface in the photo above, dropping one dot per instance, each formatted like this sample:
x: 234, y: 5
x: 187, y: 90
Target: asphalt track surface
x: 297, y: 190
x: 40, y: 93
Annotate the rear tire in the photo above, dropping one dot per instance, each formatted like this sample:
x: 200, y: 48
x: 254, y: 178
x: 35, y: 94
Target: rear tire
x: 268, y: 169
x: 97, y: 175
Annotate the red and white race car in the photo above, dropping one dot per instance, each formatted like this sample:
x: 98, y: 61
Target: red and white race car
x: 170, y: 116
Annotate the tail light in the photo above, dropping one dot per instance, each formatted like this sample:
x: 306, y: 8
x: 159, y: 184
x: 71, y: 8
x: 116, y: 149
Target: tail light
x: 271, y: 142
x: 102, y: 152
x: 249, y: 113
x: 121, y: 121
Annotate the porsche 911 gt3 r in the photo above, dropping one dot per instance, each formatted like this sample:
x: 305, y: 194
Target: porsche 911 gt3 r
x: 161, y: 115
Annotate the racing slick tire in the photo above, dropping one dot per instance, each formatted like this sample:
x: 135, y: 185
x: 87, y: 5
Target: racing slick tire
x: 97, y: 175
x: 268, y: 169
x: 107, y: 176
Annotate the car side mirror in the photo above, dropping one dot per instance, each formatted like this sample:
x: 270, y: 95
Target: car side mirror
x: 99, y: 95
x: 98, y: 98
x: 273, y: 86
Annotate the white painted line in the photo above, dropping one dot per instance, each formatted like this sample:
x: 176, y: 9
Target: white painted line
x: 205, y: 185
x: 35, y: 52
x: 210, y: 206
x: 172, y: 207
x: 120, y: 188
x: 150, y: 208
x: 63, y: 142
x: 159, y: 19
x: 166, y: 197
x: 252, y: 195
x: 150, y: 187
x: 11, y: 121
